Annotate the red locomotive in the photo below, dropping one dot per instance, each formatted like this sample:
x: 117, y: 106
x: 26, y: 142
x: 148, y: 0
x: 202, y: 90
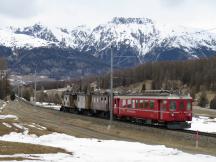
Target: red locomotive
x: 156, y: 107
x: 168, y: 109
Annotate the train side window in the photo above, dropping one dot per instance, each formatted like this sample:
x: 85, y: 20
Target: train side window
x: 133, y: 104
x: 129, y: 103
x: 188, y: 105
x: 181, y: 105
x: 137, y: 104
x: 164, y: 105
x: 123, y: 103
x: 115, y: 103
x: 152, y: 104
x: 172, y: 105
x: 146, y: 103
x: 141, y: 104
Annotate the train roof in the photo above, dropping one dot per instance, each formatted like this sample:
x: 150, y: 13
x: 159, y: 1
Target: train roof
x: 153, y: 97
x: 157, y: 94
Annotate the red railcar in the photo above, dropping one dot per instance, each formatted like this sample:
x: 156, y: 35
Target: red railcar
x: 173, y: 110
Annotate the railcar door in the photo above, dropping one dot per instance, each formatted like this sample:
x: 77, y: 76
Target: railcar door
x: 116, y: 106
x: 162, y: 109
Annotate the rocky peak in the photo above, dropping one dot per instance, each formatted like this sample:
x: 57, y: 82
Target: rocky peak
x: 38, y: 31
x: 122, y: 20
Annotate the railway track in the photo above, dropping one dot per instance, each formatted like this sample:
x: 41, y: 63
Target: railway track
x: 48, y: 122
x: 139, y: 126
x: 192, y: 132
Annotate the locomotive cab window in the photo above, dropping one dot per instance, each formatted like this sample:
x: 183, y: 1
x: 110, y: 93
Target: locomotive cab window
x: 115, y: 103
x: 188, y: 105
x: 172, y: 105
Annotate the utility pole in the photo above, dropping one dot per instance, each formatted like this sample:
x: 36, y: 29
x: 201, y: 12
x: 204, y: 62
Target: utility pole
x: 111, y: 86
x: 21, y: 91
x: 18, y: 89
x: 35, y: 87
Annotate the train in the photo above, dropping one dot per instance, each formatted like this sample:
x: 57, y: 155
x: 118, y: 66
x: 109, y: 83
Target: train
x: 153, y: 107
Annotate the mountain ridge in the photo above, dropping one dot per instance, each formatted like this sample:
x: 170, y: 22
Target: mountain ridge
x: 134, y: 41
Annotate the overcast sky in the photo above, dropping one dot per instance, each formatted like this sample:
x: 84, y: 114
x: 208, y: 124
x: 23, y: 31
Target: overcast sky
x: 69, y: 13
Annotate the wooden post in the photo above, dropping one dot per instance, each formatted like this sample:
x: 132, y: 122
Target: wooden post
x: 197, y: 139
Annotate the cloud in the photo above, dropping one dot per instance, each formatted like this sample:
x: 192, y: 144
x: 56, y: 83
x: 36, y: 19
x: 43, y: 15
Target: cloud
x: 70, y: 13
x: 18, y: 8
x: 172, y: 3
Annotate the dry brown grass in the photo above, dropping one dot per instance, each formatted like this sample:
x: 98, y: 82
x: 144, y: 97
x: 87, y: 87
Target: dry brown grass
x: 10, y: 148
x: 4, y: 130
x: 14, y: 158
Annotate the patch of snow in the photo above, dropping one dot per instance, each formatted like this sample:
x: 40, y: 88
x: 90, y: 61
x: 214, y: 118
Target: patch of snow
x: 26, y: 130
x: 3, y: 106
x: 31, y: 125
x: 7, y: 125
x: 37, y: 126
x: 203, y: 124
x: 94, y: 150
x: 39, y: 157
x: 48, y: 105
x: 8, y: 117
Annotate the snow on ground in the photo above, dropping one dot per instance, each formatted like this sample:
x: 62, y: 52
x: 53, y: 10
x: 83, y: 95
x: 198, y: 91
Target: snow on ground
x: 40, y: 157
x: 7, y: 125
x: 20, y: 126
x: 94, y: 150
x: 3, y: 106
x: 48, y: 105
x: 203, y: 124
x: 37, y: 126
x: 8, y: 117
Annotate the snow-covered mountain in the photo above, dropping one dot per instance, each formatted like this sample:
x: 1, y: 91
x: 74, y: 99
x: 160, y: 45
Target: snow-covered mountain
x: 149, y: 40
x: 9, y: 38
x: 133, y: 40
